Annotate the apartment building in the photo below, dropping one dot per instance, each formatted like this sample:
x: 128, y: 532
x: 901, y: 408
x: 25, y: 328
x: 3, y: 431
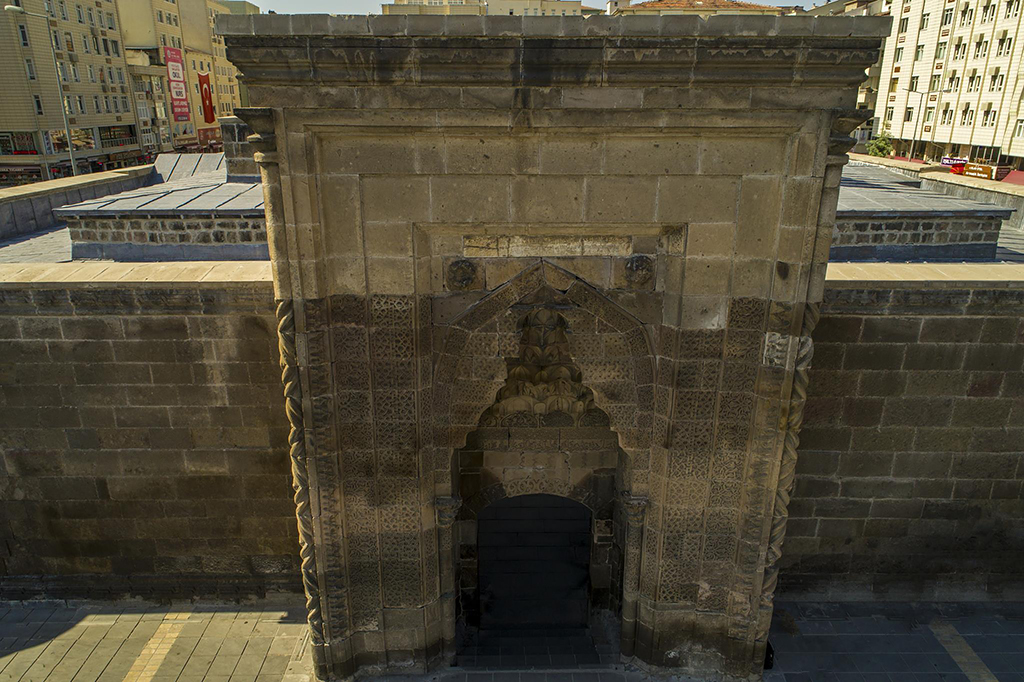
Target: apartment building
x: 867, y: 93
x: 703, y: 8
x: 182, y: 72
x: 93, y: 72
x: 533, y: 8
x: 949, y: 80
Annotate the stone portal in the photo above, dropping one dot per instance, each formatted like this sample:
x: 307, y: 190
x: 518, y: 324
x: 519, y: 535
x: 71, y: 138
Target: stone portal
x: 653, y: 196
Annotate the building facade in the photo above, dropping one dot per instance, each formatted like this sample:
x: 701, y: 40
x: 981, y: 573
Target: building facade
x: 949, y: 80
x: 867, y: 94
x: 538, y: 8
x: 703, y: 8
x: 93, y: 72
x: 177, y: 38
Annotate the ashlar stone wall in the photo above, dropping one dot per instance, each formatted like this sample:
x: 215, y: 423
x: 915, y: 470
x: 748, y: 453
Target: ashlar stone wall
x: 144, y: 452
x: 911, y: 462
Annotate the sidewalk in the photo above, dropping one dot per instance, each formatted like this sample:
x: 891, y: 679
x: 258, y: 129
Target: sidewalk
x: 813, y: 641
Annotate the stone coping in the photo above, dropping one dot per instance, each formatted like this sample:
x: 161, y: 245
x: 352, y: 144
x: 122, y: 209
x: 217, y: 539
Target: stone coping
x: 93, y: 274
x: 234, y: 273
x: 719, y: 25
x: 75, y: 182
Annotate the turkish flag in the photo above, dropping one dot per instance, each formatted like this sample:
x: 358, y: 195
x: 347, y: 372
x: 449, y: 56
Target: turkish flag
x: 209, y: 115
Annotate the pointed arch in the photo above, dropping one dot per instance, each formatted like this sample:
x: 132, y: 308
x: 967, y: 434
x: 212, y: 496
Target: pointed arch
x: 610, y: 346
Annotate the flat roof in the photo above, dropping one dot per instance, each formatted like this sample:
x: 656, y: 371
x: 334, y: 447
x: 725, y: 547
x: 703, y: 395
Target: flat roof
x: 870, y: 191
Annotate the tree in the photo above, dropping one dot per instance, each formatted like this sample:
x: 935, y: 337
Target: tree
x: 881, y: 145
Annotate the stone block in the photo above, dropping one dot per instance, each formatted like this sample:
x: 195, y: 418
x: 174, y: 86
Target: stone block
x: 620, y: 199
x: 697, y: 199
x: 469, y: 199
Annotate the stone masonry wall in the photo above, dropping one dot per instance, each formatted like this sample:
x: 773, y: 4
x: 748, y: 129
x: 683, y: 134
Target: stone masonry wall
x: 911, y: 464
x: 915, y: 238
x: 143, y: 444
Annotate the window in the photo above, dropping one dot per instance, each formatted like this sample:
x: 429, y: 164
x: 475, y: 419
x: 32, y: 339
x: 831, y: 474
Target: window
x: 1012, y: 8
x: 48, y: 4
x: 919, y: 53
x: 110, y: 74
x: 973, y: 83
x: 69, y: 41
x: 989, y: 116
x: 940, y: 50
x: 1019, y: 128
x: 980, y: 49
x: 95, y: 44
x: 81, y: 104
x: 79, y: 14
x: 120, y: 76
x: 69, y: 107
x: 160, y: 16
x: 899, y: 54
x: 74, y: 73
x: 908, y: 115
x: 163, y: 40
x: 124, y: 104
x: 63, y: 10
x: 56, y: 40
x: 85, y: 45
x: 106, y: 103
x: 960, y: 51
x: 947, y: 17
x: 889, y: 111
x: 913, y: 82
x: 23, y: 35
x: 92, y: 18
x: 117, y: 109
x: 106, y: 47
x: 96, y: 103
x: 947, y: 116
x: 1005, y: 46
x: 92, y: 74
x: 966, y: 16
x: 988, y: 13
x: 924, y: 21
x: 935, y: 83
x: 115, y: 48
x: 967, y: 117
x: 30, y: 69
x: 110, y: 21
x: 62, y: 67
x: 38, y: 103
x: 929, y: 114
x: 995, y: 83
x: 904, y: 22
x: 954, y: 81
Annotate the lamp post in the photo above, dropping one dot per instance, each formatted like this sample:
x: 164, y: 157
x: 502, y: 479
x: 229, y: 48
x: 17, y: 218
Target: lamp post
x: 56, y: 71
x: 920, y: 116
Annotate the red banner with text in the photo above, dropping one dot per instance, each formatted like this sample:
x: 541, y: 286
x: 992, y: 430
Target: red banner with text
x: 176, y: 83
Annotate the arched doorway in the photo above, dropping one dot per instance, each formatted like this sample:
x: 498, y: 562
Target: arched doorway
x: 533, y: 563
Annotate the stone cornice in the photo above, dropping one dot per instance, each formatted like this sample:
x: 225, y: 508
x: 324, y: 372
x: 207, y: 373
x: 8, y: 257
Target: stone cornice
x: 553, y: 51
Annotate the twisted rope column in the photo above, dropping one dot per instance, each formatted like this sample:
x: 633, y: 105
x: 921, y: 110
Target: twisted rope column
x: 787, y: 468
x: 300, y: 473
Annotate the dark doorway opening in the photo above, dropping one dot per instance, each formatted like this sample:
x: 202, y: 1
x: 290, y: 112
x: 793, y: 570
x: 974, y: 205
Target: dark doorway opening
x: 534, y: 563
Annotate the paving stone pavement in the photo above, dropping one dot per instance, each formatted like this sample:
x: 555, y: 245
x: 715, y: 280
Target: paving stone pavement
x: 108, y: 642
x: 813, y: 641
x: 51, y: 246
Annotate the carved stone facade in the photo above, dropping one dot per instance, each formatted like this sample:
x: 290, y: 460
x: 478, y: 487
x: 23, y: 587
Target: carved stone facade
x: 511, y: 236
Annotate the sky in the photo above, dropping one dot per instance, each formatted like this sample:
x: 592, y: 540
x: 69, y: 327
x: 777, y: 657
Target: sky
x: 373, y: 6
